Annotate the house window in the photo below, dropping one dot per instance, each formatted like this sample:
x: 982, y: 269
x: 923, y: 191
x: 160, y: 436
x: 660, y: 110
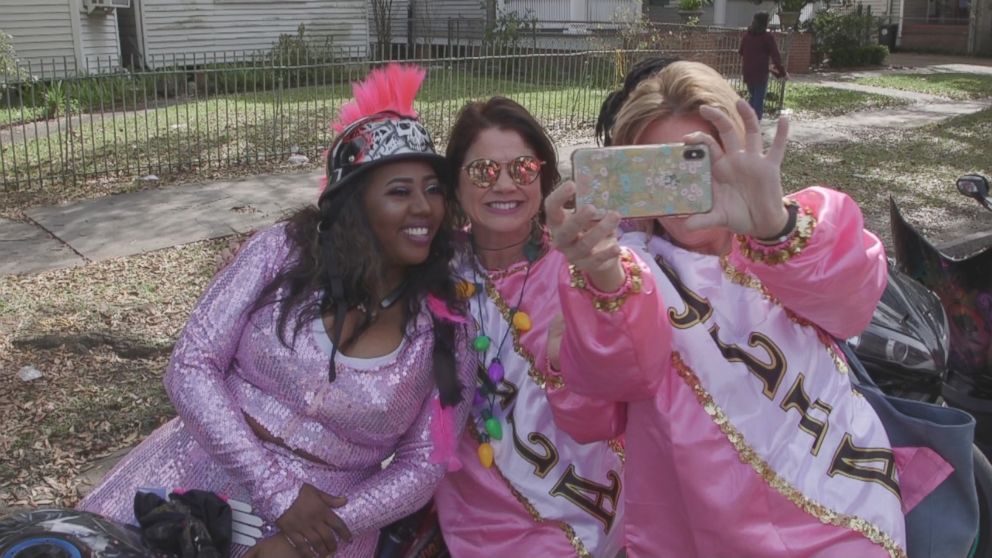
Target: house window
x: 948, y: 11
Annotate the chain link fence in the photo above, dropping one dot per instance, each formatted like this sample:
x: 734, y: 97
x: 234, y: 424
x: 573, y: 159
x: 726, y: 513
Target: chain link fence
x: 194, y: 115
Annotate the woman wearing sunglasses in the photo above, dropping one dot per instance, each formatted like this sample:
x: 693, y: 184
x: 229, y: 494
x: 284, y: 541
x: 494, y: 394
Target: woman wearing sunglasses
x: 526, y: 488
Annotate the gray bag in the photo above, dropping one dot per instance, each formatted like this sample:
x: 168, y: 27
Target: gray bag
x: 945, y: 523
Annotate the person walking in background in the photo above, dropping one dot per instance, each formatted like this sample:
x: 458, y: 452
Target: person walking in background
x: 757, y: 49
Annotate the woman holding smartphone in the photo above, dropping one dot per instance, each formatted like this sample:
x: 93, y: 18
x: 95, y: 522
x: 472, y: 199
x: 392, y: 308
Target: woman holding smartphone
x: 526, y: 487
x: 754, y: 443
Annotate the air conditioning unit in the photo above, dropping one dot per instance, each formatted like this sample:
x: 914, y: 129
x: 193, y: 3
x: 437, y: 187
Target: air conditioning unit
x: 105, y: 6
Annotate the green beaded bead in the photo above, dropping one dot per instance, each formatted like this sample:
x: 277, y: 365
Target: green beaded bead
x: 481, y: 343
x: 494, y: 428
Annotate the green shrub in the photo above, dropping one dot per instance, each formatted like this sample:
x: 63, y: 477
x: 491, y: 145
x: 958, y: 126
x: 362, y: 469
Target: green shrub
x: 509, y: 30
x: 875, y: 55
x: 58, y: 102
x: 839, y: 37
x: 852, y: 57
x: 10, y: 67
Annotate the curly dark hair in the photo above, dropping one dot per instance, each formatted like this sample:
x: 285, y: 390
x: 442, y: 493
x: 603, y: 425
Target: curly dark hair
x: 503, y: 114
x: 640, y: 71
x: 356, y: 255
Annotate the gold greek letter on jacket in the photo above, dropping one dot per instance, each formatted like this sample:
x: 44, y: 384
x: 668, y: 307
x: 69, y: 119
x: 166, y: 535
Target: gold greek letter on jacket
x: 770, y: 373
x: 577, y: 490
x: 797, y: 399
x: 876, y: 465
x: 543, y: 462
x: 697, y: 309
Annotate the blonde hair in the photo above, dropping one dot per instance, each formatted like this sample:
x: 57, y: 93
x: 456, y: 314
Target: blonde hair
x: 681, y: 88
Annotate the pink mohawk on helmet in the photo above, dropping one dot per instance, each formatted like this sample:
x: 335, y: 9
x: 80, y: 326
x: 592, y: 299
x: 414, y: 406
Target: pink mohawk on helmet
x: 390, y: 88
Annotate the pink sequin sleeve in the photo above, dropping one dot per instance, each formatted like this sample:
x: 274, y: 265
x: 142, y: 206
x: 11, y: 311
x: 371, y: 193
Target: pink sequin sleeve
x: 203, y: 357
x: 407, y: 483
x: 837, y: 279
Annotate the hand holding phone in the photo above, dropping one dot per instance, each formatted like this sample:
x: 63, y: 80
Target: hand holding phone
x: 644, y: 180
x: 586, y: 237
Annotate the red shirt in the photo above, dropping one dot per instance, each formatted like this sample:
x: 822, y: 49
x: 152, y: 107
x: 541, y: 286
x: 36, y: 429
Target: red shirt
x: 756, y: 50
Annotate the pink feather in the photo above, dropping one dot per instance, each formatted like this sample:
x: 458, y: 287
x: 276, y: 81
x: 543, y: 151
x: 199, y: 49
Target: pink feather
x: 443, y: 436
x: 390, y: 88
x: 441, y: 310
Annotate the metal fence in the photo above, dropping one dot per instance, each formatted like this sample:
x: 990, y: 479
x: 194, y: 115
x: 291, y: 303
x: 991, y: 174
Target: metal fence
x: 193, y: 115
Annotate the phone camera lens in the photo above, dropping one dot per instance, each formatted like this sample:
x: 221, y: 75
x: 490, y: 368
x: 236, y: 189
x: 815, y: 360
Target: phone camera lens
x: 692, y: 154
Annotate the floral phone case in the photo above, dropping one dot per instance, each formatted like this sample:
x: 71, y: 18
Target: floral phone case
x: 644, y: 180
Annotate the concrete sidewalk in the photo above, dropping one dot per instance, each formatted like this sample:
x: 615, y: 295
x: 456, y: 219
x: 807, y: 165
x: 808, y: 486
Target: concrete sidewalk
x: 127, y: 224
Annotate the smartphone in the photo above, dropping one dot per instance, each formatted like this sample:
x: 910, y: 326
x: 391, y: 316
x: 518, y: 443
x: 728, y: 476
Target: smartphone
x: 644, y: 180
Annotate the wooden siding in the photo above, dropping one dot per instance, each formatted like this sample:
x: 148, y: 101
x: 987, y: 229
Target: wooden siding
x: 878, y: 7
x: 100, y: 41
x: 210, y: 26
x: 42, y: 32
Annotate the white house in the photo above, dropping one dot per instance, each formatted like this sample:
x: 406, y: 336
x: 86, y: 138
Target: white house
x: 102, y: 35
x: 156, y: 29
x: 58, y: 37
x: 463, y: 21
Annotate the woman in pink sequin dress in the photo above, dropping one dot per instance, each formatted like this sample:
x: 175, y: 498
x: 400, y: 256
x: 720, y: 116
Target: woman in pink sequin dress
x: 332, y: 343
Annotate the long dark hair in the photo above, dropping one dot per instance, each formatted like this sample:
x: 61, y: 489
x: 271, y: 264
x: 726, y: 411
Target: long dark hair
x: 614, y: 101
x: 351, y: 243
x: 503, y: 114
x: 759, y: 23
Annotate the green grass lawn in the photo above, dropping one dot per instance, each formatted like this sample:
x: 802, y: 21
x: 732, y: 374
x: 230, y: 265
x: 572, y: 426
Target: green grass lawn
x: 819, y: 102
x: 952, y: 85
x: 20, y: 115
x: 235, y: 130
x: 918, y: 169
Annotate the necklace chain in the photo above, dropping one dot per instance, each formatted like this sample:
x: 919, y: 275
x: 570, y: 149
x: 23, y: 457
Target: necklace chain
x: 480, y: 292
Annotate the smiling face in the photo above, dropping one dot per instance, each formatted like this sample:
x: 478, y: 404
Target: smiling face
x: 502, y: 213
x: 405, y: 204
x: 671, y: 129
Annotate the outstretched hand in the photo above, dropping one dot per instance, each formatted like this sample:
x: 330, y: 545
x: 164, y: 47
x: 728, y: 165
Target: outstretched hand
x: 747, y: 180
x: 587, y: 237
x: 311, y: 525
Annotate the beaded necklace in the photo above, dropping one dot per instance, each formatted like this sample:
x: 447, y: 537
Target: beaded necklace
x: 490, y: 376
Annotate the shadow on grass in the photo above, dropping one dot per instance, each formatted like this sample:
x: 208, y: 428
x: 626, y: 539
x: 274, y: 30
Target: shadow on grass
x: 917, y: 169
x: 953, y: 85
